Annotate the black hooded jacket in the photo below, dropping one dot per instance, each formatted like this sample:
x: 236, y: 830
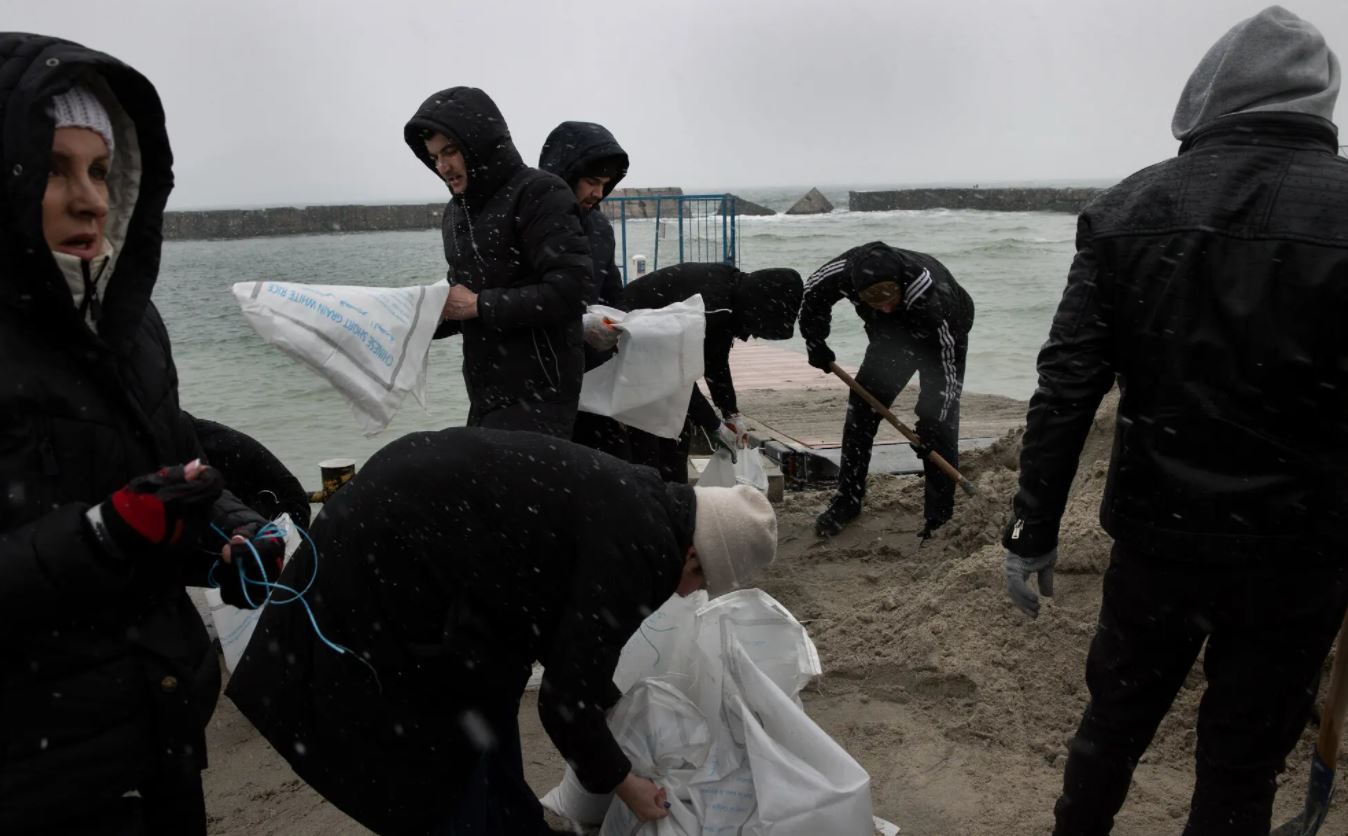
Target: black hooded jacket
x: 934, y: 306
x: 515, y: 239
x: 570, y: 151
x: 1213, y: 287
x: 451, y: 563
x: 739, y: 305
x: 107, y: 676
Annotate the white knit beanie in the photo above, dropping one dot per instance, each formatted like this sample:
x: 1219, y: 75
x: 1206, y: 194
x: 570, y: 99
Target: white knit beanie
x: 735, y: 535
x: 79, y: 108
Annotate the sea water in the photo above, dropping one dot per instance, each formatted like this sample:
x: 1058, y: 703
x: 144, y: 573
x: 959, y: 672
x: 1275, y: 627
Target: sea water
x: 1014, y: 265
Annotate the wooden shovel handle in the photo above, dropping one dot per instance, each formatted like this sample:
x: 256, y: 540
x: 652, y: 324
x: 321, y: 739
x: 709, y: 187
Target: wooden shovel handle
x: 936, y: 458
x: 1336, y: 701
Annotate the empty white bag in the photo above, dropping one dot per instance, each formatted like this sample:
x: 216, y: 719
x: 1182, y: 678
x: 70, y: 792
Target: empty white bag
x: 370, y: 343
x: 649, y: 382
x: 745, y: 469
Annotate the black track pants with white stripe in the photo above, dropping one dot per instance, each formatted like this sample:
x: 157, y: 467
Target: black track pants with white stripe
x: 891, y: 360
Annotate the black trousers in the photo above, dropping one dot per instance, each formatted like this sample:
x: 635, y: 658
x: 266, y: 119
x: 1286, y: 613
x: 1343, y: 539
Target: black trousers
x: 495, y: 799
x: 174, y: 807
x: 599, y: 432
x: 548, y: 417
x: 1267, y: 629
x: 892, y: 357
x: 667, y: 455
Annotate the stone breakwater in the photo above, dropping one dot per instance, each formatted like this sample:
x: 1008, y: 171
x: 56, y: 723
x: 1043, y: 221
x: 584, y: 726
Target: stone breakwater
x: 291, y: 220
x: 318, y: 220
x: 997, y: 200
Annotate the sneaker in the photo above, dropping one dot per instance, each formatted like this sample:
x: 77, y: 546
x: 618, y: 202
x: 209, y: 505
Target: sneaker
x: 835, y: 517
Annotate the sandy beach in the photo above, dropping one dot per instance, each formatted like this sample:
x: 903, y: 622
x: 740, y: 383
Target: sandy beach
x: 958, y: 706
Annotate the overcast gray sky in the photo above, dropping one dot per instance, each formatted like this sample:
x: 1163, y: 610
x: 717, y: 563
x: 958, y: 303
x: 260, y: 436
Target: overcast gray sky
x: 302, y: 101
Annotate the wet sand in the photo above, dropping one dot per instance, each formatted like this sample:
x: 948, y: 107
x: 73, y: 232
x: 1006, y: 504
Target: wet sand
x: 958, y: 706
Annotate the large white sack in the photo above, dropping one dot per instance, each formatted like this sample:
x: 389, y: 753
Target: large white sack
x: 667, y: 739
x: 804, y: 782
x: 649, y: 382
x: 234, y: 626
x: 370, y: 343
x: 661, y: 645
x: 774, y: 639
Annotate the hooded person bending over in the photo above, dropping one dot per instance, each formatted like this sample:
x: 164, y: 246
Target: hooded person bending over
x: 917, y: 319
x: 107, y: 676
x: 518, y: 266
x: 451, y: 563
x: 739, y: 305
x: 592, y: 163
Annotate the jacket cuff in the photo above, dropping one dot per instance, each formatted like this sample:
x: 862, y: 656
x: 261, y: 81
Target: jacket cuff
x: 1030, y: 538
x: 488, y: 307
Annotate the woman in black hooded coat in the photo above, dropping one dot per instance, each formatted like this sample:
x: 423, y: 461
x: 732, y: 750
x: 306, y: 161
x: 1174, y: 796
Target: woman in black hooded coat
x: 107, y: 677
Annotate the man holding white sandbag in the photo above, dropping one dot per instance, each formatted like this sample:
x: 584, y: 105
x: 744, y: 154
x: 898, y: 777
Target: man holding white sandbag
x: 450, y: 564
x: 519, y: 265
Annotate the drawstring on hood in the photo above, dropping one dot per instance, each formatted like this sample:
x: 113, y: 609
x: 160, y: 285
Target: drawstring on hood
x: 1272, y: 62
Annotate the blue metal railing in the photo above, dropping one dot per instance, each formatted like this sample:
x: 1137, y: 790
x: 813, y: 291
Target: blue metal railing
x: 707, y: 227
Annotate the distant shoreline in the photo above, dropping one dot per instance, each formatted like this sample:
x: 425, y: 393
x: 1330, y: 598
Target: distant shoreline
x: 318, y: 220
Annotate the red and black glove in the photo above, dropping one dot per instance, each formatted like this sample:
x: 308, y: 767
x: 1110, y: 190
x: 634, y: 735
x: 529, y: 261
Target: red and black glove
x: 156, y: 511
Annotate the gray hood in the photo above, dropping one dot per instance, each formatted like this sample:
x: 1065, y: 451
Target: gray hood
x: 1272, y: 62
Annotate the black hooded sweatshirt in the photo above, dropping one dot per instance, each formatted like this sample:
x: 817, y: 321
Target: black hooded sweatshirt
x: 572, y: 150
x: 515, y: 239
x: 451, y: 563
x: 739, y: 305
x: 107, y: 676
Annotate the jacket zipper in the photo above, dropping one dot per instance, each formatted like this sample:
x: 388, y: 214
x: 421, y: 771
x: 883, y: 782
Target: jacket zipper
x: 1015, y: 530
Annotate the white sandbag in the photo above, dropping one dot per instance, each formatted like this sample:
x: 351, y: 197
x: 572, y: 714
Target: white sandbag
x: 777, y: 642
x: 661, y: 645
x: 649, y: 382
x: 804, y: 782
x: 370, y: 343
x: 667, y: 739
x: 234, y: 626
x: 745, y: 469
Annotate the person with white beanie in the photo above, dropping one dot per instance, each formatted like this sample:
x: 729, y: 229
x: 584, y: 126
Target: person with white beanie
x: 1212, y: 288
x: 106, y: 671
x: 452, y: 563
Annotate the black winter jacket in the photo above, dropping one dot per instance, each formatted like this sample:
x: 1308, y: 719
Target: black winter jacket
x: 452, y: 562
x: 933, y: 309
x: 569, y: 151
x: 515, y: 239
x: 1214, y: 288
x: 107, y: 677
x: 739, y: 305
x: 253, y: 472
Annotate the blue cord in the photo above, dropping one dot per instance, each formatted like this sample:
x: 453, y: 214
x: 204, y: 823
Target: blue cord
x: 271, y: 531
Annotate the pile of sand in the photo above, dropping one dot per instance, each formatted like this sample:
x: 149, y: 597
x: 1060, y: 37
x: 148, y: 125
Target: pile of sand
x: 959, y: 706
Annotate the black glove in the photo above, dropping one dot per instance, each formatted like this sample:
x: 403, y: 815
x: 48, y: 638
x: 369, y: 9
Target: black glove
x: 922, y: 451
x: 156, y: 511
x: 252, y: 568
x: 821, y: 356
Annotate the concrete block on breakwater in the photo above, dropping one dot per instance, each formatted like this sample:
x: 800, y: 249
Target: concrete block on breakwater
x: 997, y: 200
